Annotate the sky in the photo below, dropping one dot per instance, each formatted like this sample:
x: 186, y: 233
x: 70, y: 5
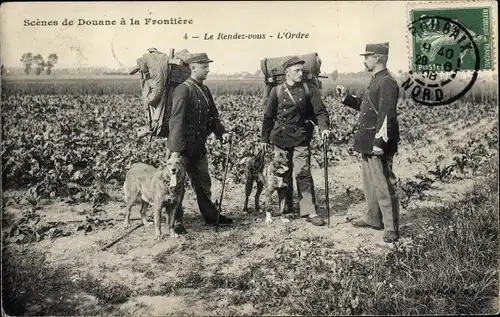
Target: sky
x: 338, y: 32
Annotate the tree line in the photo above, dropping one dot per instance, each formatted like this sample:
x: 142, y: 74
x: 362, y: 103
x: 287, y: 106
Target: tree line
x: 29, y: 60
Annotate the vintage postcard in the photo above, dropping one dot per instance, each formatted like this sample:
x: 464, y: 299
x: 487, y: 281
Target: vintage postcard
x: 258, y: 158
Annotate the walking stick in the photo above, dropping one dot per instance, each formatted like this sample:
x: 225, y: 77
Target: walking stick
x: 325, y: 157
x: 223, y: 184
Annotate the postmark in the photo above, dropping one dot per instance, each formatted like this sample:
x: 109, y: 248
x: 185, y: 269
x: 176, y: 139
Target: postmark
x: 448, y: 49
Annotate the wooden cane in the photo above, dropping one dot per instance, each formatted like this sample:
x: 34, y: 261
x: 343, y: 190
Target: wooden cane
x: 325, y: 156
x: 223, y: 184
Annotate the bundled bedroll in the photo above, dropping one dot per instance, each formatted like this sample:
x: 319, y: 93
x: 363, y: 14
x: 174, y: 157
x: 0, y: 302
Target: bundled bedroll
x: 159, y: 75
x: 274, y: 74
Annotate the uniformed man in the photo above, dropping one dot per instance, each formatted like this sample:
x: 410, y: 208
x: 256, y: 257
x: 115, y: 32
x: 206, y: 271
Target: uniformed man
x: 377, y: 140
x: 193, y: 118
x: 291, y: 109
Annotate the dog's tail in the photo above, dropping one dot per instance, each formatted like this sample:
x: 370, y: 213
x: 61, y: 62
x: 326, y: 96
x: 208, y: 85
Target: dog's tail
x: 259, y: 160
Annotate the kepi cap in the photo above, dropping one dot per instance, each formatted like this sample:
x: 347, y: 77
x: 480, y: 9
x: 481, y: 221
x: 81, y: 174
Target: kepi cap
x: 377, y: 48
x: 199, y: 58
x: 294, y: 60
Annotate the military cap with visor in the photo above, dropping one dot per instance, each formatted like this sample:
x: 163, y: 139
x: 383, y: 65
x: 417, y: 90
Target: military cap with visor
x: 294, y: 60
x: 376, y: 48
x: 199, y: 58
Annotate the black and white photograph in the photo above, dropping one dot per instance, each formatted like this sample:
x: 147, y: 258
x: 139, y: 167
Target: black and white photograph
x: 249, y: 158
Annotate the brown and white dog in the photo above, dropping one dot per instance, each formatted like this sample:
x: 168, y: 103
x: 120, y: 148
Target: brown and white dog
x: 271, y: 174
x: 161, y: 188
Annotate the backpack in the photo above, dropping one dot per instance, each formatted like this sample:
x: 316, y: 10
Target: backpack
x: 274, y: 74
x: 159, y: 75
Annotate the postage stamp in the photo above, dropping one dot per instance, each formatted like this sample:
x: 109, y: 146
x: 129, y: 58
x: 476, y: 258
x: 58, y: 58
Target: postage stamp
x: 443, y: 39
x: 448, y: 46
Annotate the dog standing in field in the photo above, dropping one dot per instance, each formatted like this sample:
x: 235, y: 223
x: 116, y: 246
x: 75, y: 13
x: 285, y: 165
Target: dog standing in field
x: 270, y: 174
x: 161, y: 188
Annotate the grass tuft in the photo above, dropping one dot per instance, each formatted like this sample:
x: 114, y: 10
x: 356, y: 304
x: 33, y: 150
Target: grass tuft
x: 31, y: 287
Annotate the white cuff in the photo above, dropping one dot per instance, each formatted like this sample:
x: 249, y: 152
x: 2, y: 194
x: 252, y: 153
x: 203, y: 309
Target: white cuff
x: 382, y: 133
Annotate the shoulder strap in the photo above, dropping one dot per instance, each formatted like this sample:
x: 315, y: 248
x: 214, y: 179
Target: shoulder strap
x: 202, y: 92
x: 306, y: 89
x: 278, y: 91
x: 289, y: 93
x: 370, y: 102
x: 189, y: 87
x: 307, y: 121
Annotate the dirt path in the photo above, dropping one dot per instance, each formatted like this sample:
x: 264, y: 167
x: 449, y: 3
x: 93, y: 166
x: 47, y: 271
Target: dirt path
x: 150, y: 268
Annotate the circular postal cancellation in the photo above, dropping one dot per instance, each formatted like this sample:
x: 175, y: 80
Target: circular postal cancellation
x: 448, y: 49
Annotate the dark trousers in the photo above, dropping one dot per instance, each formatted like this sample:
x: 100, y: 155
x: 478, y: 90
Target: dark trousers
x: 299, y: 159
x: 197, y: 171
x: 379, y: 184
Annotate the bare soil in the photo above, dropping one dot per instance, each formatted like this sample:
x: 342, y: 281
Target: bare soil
x: 147, y: 267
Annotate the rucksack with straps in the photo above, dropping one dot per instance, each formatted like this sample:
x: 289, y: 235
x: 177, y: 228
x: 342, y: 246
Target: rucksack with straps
x: 160, y: 74
x: 274, y: 74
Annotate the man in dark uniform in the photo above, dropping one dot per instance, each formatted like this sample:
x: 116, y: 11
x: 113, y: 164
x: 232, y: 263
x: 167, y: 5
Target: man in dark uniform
x: 193, y: 118
x: 288, y: 124
x: 377, y: 140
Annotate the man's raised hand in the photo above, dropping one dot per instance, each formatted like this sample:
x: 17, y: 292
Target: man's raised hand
x: 341, y: 92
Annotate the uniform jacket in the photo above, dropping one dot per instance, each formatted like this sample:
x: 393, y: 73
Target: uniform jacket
x: 193, y: 119
x: 285, y: 124
x: 378, y: 122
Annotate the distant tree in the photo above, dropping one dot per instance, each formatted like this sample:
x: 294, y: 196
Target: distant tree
x: 51, y: 62
x: 27, y: 60
x: 2, y: 70
x: 335, y: 75
x: 259, y: 73
x: 40, y: 64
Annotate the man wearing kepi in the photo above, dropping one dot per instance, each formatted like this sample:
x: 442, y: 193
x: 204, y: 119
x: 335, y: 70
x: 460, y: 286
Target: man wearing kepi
x: 288, y: 124
x: 377, y: 140
x: 193, y: 118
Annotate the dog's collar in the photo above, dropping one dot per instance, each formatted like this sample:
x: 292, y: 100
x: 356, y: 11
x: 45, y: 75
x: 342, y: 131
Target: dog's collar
x: 280, y: 174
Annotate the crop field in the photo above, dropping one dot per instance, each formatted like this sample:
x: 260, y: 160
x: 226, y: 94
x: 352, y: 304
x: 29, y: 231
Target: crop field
x: 67, y: 145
